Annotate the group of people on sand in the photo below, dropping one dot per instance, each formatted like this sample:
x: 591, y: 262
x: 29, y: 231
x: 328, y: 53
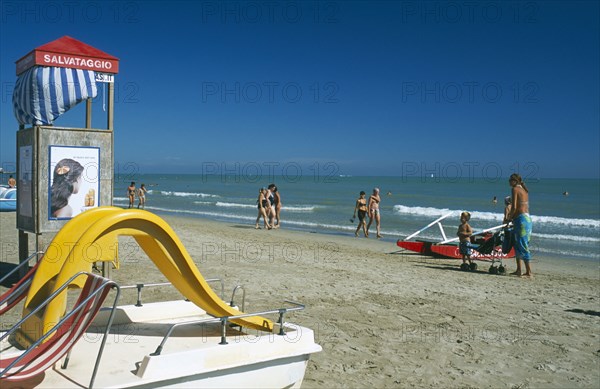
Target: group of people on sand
x: 269, y: 207
x: 370, y: 208
x: 132, y: 191
x: 516, y: 212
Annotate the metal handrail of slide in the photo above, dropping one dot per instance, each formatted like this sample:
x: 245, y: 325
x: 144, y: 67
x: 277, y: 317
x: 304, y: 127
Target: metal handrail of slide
x: 65, y: 318
x: 224, y: 319
x: 232, y: 303
x: 20, y: 265
x: 140, y: 286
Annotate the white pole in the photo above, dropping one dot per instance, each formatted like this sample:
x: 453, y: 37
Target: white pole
x: 429, y: 225
x: 442, y: 231
x: 476, y: 233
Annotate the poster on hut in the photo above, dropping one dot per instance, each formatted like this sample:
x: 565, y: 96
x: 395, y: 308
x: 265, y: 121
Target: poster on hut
x: 74, y: 183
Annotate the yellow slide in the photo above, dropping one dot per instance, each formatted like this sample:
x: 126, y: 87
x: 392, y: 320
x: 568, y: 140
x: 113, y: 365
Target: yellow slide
x: 92, y: 237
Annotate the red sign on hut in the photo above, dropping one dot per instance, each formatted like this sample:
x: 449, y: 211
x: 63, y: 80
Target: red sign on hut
x: 56, y: 76
x: 67, y: 52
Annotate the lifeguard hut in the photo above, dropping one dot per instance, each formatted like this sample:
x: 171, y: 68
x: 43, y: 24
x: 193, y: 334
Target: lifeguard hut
x: 61, y: 172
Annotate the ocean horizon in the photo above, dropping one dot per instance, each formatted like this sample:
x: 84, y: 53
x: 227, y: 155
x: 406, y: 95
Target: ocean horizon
x: 565, y: 226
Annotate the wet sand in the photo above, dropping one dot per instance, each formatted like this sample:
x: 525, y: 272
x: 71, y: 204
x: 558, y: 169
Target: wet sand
x: 392, y: 319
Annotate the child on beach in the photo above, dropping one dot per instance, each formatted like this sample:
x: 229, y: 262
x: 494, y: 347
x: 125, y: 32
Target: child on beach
x: 464, y: 233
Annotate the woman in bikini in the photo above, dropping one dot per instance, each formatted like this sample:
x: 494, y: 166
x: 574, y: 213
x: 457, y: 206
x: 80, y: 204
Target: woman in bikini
x: 373, y: 206
x: 522, y: 225
x: 361, y: 207
x: 278, y: 204
x: 142, y: 196
x: 262, y: 205
x: 131, y: 193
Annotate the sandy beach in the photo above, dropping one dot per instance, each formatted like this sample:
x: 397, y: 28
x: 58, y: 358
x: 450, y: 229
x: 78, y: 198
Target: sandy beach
x: 391, y: 319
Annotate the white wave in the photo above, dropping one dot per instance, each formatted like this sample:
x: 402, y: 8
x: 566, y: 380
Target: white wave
x: 234, y: 205
x: 188, y: 194
x: 434, y: 213
x: 319, y: 225
x: 569, y: 253
x: 248, y: 218
x: 574, y: 238
x: 285, y: 208
x: 203, y: 202
x: 252, y: 219
x: 487, y: 216
x: 299, y: 208
x: 566, y: 221
x: 120, y: 198
x: 202, y: 213
x: 422, y: 211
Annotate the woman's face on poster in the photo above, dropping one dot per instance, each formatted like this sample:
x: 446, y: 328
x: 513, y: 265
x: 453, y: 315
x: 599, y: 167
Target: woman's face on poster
x: 77, y: 185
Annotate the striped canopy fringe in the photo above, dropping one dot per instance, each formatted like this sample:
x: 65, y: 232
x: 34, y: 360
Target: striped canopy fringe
x: 44, y: 93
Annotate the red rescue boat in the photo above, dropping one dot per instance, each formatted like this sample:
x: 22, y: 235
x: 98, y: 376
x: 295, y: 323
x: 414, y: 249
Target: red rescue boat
x: 486, y: 245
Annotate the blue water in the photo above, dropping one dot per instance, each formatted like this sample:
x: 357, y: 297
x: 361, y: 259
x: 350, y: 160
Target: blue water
x: 564, y: 226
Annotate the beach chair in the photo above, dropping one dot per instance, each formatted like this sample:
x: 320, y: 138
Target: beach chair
x: 59, y: 340
x: 18, y: 291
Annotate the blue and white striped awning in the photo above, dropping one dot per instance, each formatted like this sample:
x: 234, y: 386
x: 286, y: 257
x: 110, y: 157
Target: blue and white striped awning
x: 44, y: 93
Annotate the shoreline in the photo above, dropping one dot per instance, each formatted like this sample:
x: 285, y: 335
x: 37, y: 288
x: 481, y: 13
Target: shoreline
x: 387, y: 238
x: 387, y: 319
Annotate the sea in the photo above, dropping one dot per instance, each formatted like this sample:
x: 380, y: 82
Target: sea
x: 565, y: 212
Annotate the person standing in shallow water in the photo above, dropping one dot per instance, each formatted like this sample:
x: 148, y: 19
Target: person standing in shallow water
x: 373, y: 209
x: 522, y: 225
x: 262, y: 204
x: 361, y: 209
x: 277, y: 204
x: 131, y: 193
x: 142, y: 196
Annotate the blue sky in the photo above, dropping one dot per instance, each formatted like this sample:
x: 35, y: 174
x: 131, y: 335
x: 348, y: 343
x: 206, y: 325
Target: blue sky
x: 360, y: 88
